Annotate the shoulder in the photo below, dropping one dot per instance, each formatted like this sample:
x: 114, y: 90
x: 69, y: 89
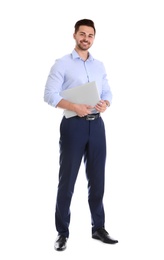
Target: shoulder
x: 64, y: 58
x: 99, y: 64
x: 62, y: 62
x: 96, y: 60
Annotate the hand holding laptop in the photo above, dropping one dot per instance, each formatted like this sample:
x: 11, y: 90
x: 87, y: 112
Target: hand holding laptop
x: 83, y: 109
x: 86, y: 94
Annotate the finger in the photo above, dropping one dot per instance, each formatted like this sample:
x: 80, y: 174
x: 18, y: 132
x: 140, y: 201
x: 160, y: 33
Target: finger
x: 89, y: 107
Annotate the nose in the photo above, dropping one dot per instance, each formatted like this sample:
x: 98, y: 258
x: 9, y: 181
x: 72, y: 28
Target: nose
x: 86, y: 37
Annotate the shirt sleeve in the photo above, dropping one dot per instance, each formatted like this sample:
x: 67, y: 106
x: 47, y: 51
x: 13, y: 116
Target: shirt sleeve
x: 106, y: 90
x: 54, y: 84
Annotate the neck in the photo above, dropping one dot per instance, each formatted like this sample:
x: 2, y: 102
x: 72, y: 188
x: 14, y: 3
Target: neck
x: 82, y: 53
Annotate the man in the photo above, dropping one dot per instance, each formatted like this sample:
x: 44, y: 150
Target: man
x: 81, y: 136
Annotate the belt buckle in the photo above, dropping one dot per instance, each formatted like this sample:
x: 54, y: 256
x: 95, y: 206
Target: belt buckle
x: 90, y: 117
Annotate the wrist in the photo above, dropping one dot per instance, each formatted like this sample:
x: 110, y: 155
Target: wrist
x: 107, y: 103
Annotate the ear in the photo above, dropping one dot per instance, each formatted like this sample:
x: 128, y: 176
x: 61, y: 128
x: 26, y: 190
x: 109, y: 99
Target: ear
x: 74, y: 35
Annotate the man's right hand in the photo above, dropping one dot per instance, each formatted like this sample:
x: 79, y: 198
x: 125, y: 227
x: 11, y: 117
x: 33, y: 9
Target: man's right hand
x: 82, y: 109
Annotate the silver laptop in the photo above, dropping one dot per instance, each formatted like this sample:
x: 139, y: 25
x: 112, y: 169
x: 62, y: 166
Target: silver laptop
x: 84, y: 94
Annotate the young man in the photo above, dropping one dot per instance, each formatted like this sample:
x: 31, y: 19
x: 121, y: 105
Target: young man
x: 81, y: 136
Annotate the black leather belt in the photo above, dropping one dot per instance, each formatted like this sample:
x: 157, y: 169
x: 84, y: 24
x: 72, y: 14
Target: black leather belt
x: 91, y: 116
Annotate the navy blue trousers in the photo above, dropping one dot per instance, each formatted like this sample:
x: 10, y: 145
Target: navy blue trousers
x: 81, y: 139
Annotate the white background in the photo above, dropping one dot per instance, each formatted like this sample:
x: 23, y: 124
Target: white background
x: 130, y: 42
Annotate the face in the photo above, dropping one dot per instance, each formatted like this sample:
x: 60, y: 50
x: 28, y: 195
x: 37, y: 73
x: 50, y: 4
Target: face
x: 84, y: 37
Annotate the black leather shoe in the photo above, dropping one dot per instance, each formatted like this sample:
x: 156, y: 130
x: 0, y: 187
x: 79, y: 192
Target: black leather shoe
x: 102, y: 234
x: 60, y: 243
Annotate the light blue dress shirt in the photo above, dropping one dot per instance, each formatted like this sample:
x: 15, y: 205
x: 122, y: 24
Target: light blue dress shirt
x: 71, y: 71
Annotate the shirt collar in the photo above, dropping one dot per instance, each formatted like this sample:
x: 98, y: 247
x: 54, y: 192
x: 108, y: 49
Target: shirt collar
x: 75, y: 55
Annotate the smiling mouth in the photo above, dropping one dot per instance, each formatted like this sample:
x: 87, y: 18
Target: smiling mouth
x: 85, y: 43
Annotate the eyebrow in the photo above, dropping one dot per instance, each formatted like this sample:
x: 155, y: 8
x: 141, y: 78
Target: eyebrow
x: 91, y: 34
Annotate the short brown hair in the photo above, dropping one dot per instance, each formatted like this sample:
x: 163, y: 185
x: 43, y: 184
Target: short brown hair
x: 86, y: 22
